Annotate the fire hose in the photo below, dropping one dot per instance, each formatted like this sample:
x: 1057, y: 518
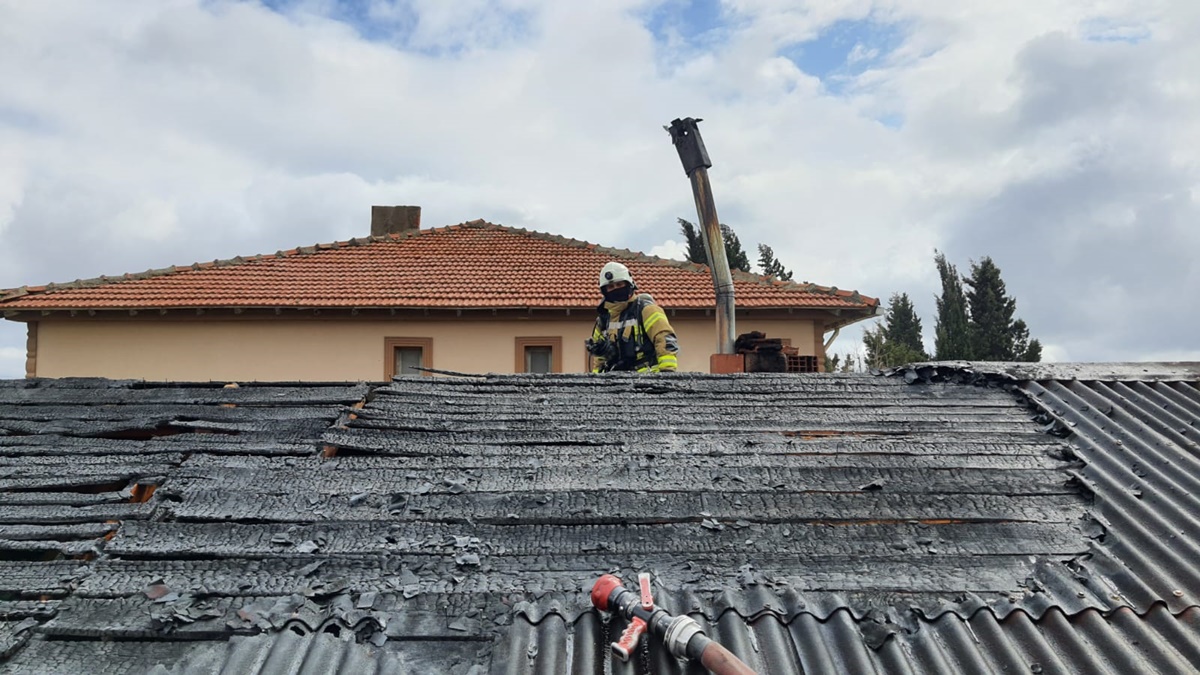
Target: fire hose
x: 681, y: 635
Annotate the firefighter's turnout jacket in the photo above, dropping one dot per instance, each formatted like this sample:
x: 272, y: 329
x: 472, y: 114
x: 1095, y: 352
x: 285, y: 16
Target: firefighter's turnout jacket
x: 640, y: 337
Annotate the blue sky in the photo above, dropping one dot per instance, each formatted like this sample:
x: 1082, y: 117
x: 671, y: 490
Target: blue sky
x: 699, y: 22
x: 844, y: 50
x: 403, y: 25
x: 854, y: 138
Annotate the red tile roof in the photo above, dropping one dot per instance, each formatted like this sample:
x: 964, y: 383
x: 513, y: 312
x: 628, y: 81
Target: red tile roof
x: 472, y: 265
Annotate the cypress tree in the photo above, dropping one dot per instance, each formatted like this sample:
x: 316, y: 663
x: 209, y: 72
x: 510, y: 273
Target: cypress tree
x: 904, y: 330
x: 898, y: 340
x: 991, y: 312
x: 770, y: 265
x: 695, y: 245
x: 733, y: 250
x: 952, y: 339
x: 1025, y: 349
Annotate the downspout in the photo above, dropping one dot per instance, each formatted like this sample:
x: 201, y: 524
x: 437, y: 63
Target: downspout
x: 686, y: 137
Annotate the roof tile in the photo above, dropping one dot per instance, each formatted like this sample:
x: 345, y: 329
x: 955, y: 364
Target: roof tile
x: 470, y: 265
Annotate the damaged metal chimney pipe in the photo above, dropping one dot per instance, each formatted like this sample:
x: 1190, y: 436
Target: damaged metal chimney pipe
x: 686, y: 137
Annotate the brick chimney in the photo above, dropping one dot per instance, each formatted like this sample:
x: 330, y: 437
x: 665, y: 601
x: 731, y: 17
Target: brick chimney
x: 394, y: 219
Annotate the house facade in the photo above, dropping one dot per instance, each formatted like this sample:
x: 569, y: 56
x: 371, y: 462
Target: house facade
x: 469, y: 298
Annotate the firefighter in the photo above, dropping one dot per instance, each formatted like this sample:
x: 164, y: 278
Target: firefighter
x: 631, y: 333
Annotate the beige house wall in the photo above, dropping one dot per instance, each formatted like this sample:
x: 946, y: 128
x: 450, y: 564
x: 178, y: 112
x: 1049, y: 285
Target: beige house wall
x: 334, y: 350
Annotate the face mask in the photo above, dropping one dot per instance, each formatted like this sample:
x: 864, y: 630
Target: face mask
x: 618, y: 294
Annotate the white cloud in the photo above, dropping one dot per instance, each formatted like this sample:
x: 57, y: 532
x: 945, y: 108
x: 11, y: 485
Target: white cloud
x: 861, y: 53
x: 151, y: 220
x: 12, y: 363
x: 671, y: 249
x: 1057, y: 137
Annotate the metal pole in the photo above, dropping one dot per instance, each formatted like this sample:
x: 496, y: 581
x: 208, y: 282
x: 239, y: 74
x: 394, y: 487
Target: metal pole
x: 686, y: 137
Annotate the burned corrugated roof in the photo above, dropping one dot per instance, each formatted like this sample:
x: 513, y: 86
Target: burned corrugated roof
x: 959, y: 519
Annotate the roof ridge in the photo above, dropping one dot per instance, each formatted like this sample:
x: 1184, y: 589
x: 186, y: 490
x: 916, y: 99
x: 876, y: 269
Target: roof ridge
x: 622, y: 254
x: 106, y: 280
x: 750, y: 277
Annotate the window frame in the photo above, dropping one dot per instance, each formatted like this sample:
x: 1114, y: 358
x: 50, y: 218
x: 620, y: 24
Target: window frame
x: 389, y: 354
x: 553, y: 342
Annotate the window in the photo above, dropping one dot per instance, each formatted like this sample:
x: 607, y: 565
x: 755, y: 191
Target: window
x: 538, y: 355
x: 539, y: 360
x: 408, y: 359
x: 401, y: 355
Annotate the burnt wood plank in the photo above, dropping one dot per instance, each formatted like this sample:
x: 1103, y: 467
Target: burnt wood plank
x: 32, y: 579
x: 653, y: 476
x: 762, y: 412
x: 46, y: 549
x: 899, y: 425
x: 63, y: 498
x: 73, y: 514
x: 414, y: 442
x: 620, y: 507
x: 128, y: 393
x: 167, y: 413
x: 56, y: 532
x: 225, y: 578
x: 50, y: 448
x: 601, y: 463
x: 17, y: 610
x: 144, y: 427
x: 163, y: 540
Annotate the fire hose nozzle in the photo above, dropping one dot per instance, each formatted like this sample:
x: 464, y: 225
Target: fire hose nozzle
x: 681, y: 635
x: 603, y: 589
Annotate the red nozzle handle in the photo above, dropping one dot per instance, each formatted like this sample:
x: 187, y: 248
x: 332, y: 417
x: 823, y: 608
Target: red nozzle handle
x: 602, y: 591
x: 629, y: 639
x: 647, y: 594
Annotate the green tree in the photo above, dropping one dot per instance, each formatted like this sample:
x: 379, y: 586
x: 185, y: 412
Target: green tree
x: 898, y: 339
x: 738, y: 260
x: 952, y: 336
x: 876, y: 346
x: 770, y: 265
x: 695, y: 244
x: 1025, y: 349
x: 995, y: 334
x: 733, y: 246
x: 838, y: 363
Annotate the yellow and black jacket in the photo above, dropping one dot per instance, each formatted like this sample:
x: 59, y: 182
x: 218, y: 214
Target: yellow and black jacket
x: 638, y: 337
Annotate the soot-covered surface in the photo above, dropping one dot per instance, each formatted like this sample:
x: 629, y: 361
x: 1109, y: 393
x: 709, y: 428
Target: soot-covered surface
x: 812, y: 523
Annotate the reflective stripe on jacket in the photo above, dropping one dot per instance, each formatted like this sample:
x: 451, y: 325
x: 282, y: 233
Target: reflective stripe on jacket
x: 641, y: 333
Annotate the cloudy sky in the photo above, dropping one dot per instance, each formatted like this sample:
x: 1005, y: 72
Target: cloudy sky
x: 855, y: 137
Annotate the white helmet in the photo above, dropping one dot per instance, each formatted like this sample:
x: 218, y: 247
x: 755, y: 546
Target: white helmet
x: 614, y: 272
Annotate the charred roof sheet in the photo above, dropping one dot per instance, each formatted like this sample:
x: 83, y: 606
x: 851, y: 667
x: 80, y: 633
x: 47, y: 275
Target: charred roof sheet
x: 956, y: 519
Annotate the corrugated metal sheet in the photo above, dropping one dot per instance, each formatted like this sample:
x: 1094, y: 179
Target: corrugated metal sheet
x: 1088, y: 643
x: 1142, y: 461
